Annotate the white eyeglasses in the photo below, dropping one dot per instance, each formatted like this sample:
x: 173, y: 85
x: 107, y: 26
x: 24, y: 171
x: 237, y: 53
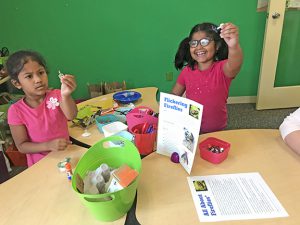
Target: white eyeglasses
x: 203, y: 42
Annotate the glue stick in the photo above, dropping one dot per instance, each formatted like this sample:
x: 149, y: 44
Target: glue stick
x: 69, y: 171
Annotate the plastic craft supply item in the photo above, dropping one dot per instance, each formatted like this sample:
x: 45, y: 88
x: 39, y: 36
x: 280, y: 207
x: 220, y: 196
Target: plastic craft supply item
x: 113, y: 128
x: 86, y: 117
x: 105, y: 171
x: 62, y: 164
x: 134, y: 119
x: 125, y: 175
x: 86, y: 133
x: 60, y: 74
x: 90, y: 183
x: 150, y: 129
x: 142, y: 110
x: 104, y: 120
x: 69, y: 171
x: 214, y: 150
x: 175, y: 157
x: 126, y: 97
x: 121, y: 113
x: 220, y: 27
x: 145, y: 142
x: 146, y: 129
x: 115, y: 157
x: 125, y: 134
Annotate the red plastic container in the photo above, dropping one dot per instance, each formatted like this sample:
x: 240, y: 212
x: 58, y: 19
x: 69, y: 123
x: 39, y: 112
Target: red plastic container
x: 142, y: 110
x: 145, y: 142
x: 134, y: 119
x: 210, y: 156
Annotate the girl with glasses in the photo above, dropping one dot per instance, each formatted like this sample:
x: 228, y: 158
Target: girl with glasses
x: 210, y: 57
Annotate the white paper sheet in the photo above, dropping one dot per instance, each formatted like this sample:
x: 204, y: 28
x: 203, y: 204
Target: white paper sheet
x: 234, y: 197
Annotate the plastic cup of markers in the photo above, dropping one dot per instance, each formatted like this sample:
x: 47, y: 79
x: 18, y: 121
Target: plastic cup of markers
x: 144, y: 137
x: 214, y: 150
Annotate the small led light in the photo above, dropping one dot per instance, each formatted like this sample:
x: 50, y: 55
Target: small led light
x: 60, y: 74
x: 220, y: 27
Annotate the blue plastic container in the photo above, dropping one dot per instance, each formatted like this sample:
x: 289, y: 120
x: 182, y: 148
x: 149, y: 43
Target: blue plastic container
x: 104, y: 120
x: 121, y: 113
x: 125, y: 134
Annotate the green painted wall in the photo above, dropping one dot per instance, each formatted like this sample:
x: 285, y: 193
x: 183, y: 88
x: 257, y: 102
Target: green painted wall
x: 133, y: 40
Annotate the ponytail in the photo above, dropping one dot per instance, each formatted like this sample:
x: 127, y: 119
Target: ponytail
x: 182, y: 56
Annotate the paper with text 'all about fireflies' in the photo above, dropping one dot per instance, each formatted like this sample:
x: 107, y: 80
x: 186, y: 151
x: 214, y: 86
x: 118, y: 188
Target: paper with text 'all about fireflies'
x: 240, y: 196
x: 178, y: 128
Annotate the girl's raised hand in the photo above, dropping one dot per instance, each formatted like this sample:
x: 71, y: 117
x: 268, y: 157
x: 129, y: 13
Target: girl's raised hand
x: 68, y: 84
x: 230, y: 34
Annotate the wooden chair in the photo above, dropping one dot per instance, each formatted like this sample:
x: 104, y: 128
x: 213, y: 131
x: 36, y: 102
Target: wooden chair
x: 110, y: 87
x: 95, y: 89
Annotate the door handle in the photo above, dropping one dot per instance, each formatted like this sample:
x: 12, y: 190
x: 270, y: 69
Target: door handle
x: 275, y: 15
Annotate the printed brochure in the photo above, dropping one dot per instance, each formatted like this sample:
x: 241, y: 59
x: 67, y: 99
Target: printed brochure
x: 178, y: 128
x: 234, y: 197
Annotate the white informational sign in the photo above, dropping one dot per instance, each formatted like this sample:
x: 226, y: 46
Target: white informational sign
x: 178, y: 128
x: 234, y: 197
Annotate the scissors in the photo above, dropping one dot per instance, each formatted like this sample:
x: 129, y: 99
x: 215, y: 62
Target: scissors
x: 124, y: 112
x: 4, y: 52
x: 145, y: 111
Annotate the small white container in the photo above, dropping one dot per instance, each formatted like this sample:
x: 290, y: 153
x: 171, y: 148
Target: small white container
x: 113, y: 128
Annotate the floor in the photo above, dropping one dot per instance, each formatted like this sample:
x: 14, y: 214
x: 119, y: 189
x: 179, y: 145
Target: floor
x: 245, y: 116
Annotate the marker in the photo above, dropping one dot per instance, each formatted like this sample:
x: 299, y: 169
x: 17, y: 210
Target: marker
x: 136, y: 131
x: 69, y: 171
x: 144, y: 128
x: 150, y: 129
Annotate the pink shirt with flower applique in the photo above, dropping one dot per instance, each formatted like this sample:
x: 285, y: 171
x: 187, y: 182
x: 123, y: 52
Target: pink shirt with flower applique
x: 210, y: 88
x: 43, y: 123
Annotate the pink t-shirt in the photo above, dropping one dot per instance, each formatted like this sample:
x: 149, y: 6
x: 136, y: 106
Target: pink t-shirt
x: 43, y: 123
x: 210, y: 88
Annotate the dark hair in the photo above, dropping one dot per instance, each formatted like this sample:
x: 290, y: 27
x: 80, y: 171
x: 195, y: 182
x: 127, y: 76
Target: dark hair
x: 183, y: 56
x: 17, y: 60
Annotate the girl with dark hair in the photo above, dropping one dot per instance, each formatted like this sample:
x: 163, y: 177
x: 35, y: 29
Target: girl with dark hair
x: 209, y: 58
x: 38, y: 122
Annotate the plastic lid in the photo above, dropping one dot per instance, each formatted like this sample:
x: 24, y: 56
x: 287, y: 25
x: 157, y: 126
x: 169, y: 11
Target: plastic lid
x: 68, y: 166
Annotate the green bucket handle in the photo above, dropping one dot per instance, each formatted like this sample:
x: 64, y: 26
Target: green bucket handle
x: 100, y: 199
x: 118, y: 141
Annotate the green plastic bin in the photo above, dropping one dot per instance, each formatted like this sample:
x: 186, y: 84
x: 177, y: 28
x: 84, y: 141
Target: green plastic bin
x: 121, y: 201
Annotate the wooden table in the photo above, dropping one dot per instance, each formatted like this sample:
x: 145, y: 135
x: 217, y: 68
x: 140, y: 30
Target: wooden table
x: 148, y: 99
x: 164, y: 196
x: 43, y: 195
